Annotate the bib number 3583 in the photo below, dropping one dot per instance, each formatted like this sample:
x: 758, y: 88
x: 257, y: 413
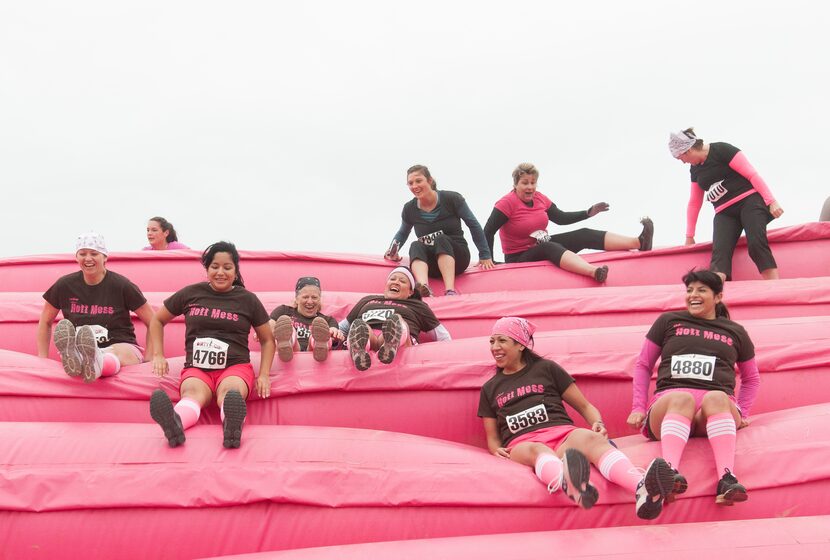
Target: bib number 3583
x: 210, y: 353
x: 693, y: 366
x: 527, y: 418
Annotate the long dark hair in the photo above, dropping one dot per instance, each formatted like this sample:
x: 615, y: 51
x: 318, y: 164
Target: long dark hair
x: 166, y: 226
x: 223, y: 247
x: 714, y: 282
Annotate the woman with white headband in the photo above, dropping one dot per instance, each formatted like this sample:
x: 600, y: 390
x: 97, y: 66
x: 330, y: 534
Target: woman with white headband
x: 741, y: 198
x: 389, y: 321
x: 525, y: 420
x: 96, y: 336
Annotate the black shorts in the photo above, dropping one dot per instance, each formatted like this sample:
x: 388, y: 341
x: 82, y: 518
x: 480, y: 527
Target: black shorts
x: 441, y: 245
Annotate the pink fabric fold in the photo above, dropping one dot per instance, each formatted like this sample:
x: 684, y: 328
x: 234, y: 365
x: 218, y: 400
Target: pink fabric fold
x: 740, y: 164
x: 693, y: 209
x: 642, y: 375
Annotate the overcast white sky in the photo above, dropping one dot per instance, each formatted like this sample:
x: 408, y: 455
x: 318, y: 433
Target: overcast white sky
x: 289, y: 125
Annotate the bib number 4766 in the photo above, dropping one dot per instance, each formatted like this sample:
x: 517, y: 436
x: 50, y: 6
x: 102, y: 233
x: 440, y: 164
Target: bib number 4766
x: 210, y: 353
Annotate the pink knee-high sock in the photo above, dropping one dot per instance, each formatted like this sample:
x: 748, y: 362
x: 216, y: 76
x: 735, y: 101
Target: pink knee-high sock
x: 549, y: 470
x: 674, y: 433
x: 617, y: 468
x: 189, y: 411
x: 721, y: 431
x: 111, y: 365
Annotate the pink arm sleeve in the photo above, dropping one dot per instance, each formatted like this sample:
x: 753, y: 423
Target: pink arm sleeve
x: 642, y: 375
x: 740, y: 164
x: 693, y: 209
x: 750, y: 382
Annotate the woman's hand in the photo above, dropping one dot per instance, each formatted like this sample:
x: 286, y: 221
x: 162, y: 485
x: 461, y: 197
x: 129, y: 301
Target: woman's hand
x: 636, y: 419
x: 690, y: 240
x: 599, y: 427
x: 160, y: 366
x: 597, y: 208
x: 337, y: 334
x: 486, y: 264
x: 744, y: 423
x: 775, y: 209
x: 263, y: 386
x: 502, y: 452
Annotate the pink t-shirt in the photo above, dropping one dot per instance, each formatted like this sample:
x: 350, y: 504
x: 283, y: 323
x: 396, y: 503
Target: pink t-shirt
x: 170, y: 246
x: 521, y: 221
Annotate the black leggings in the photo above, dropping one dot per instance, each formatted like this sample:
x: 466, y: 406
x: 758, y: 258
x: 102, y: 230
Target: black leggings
x: 751, y: 215
x: 554, y: 249
x: 442, y: 245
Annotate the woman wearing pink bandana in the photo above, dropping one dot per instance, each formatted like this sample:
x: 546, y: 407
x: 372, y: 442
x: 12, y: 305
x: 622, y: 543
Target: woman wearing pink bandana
x: 525, y: 420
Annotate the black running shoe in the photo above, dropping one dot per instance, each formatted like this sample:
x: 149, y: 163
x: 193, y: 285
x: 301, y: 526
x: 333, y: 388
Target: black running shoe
x: 235, y: 412
x: 647, y: 235
x: 680, y: 486
x: 657, y: 483
x: 161, y: 410
x: 392, y: 333
x: 575, y: 479
x: 730, y: 490
x: 601, y: 274
x: 358, y: 340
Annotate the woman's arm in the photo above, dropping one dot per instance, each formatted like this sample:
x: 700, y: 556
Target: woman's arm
x: 750, y: 383
x: 484, y: 253
x: 494, y: 223
x: 437, y: 334
x: 574, y: 397
x: 643, y: 367
x: 740, y: 164
x: 156, y: 335
x: 491, y: 430
x: 145, y: 315
x: 266, y: 359
x: 561, y: 218
x: 692, y: 212
x: 44, y: 328
x: 400, y: 237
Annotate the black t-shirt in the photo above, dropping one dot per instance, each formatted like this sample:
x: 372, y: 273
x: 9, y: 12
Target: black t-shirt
x: 699, y: 353
x: 217, y: 323
x: 721, y: 182
x: 302, y: 324
x: 105, y: 306
x: 527, y: 400
x: 376, y: 309
x: 447, y: 218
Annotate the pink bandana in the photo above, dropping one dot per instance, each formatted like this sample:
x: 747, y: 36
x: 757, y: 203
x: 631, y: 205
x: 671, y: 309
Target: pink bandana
x: 520, y: 330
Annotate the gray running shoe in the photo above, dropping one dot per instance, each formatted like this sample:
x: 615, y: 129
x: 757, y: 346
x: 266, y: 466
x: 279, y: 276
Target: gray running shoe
x: 64, y: 338
x: 284, y: 333
x: 321, y: 335
x: 91, y: 358
x: 392, y: 333
x: 358, y: 339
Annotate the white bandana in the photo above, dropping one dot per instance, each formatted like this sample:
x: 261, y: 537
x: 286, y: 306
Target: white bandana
x: 680, y: 142
x: 405, y: 271
x: 91, y: 240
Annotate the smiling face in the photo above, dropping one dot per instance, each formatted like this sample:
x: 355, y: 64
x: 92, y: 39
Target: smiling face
x: 506, y: 352
x: 308, y: 301
x: 418, y: 184
x: 221, y: 272
x: 91, y: 262
x: 701, y: 300
x: 526, y: 187
x: 398, y: 286
x: 155, y: 235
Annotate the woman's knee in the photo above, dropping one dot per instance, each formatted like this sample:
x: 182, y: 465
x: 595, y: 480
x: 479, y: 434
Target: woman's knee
x: 680, y: 402
x: 715, y: 402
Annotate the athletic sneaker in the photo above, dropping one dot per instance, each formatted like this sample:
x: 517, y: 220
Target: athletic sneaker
x: 680, y: 486
x: 358, y: 340
x: 322, y: 335
x: 730, y: 490
x: 284, y: 335
x: 392, y: 333
x: 64, y: 338
x: 92, y: 360
x: 235, y: 412
x: 161, y: 410
x: 576, y: 472
x: 451, y: 293
x: 657, y: 483
x: 647, y: 235
x: 424, y: 290
x: 601, y: 274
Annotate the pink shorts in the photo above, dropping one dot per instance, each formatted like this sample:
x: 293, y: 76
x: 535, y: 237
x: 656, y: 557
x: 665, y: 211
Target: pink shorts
x: 553, y: 437
x: 213, y: 377
x: 697, y: 395
x: 136, y: 349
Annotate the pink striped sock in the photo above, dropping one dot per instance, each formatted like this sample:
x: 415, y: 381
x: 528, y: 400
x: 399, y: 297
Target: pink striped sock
x: 674, y: 433
x: 111, y: 365
x: 617, y: 468
x: 189, y: 411
x: 549, y: 470
x: 721, y: 431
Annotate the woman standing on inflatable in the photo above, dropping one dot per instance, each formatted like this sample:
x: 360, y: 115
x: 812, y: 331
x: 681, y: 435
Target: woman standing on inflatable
x: 440, y: 250
x: 162, y: 236
x: 218, y: 316
x: 698, y: 350
x: 521, y: 218
x: 389, y: 321
x: 741, y: 198
x: 525, y: 421
x: 96, y: 336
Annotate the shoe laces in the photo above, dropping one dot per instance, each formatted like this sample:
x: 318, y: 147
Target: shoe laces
x: 555, y: 485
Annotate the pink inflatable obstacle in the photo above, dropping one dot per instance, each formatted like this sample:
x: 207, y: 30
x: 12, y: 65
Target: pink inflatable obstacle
x: 430, y: 390
x: 794, y: 538
x: 117, y: 490
x: 472, y: 315
x: 799, y: 250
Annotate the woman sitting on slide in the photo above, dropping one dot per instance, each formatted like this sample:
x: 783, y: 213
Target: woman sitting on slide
x: 521, y: 218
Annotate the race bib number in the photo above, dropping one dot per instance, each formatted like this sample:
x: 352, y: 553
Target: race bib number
x: 377, y: 315
x: 429, y: 239
x: 715, y: 192
x: 540, y: 236
x: 101, y: 334
x: 209, y: 353
x: 526, y: 418
x: 693, y: 366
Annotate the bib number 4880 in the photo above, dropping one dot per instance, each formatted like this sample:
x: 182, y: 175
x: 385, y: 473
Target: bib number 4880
x: 693, y: 366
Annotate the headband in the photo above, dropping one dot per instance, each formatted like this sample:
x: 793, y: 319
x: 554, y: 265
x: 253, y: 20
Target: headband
x: 91, y: 240
x: 680, y: 142
x: 520, y: 330
x: 306, y: 281
x: 406, y: 272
